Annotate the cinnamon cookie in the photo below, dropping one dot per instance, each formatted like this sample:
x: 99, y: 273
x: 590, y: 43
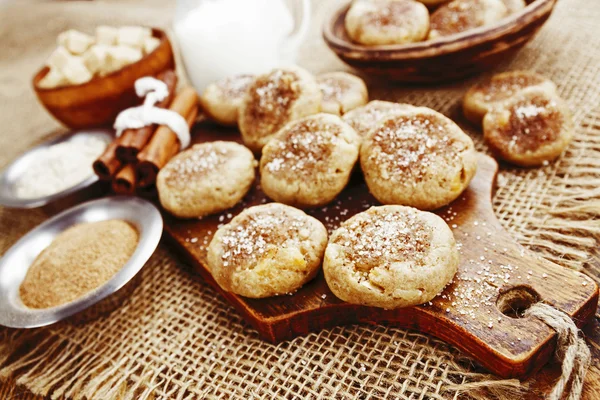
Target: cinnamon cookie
x: 390, y: 257
x: 222, y: 100
x: 461, y: 15
x: 381, y: 22
x: 342, y: 92
x: 514, y: 6
x: 529, y: 129
x: 205, y: 179
x: 419, y: 158
x: 273, y: 100
x: 431, y: 3
x: 309, y: 162
x: 267, y: 250
x: 483, y: 96
x: 365, y: 118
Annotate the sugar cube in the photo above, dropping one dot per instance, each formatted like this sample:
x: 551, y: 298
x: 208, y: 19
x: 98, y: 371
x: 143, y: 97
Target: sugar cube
x: 120, y: 56
x: 150, y: 44
x: 95, y: 58
x: 133, y: 36
x: 75, y: 71
x: 52, y: 79
x: 74, y: 41
x: 59, y: 58
x: 107, y: 35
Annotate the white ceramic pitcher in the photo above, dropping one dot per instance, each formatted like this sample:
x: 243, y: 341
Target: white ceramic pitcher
x: 220, y: 38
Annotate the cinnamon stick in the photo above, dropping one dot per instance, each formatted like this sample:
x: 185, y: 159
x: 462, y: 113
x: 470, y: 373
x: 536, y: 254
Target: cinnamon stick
x: 164, y: 143
x: 107, y: 165
x: 124, y: 182
x: 132, y: 141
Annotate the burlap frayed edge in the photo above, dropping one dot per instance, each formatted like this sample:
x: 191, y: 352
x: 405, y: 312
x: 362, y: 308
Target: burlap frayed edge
x: 564, y: 226
x: 44, y: 363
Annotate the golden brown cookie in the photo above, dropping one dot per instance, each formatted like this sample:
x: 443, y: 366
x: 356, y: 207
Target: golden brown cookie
x: 342, y: 92
x: 273, y: 100
x: 205, y: 179
x: 419, y: 158
x: 530, y: 129
x: 222, y: 100
x: 483, y: 96
x: 309, y: 162
x: 365, y: 118
x: 461, y: 15
x: 514, y: 6
x: 267, y: 250
x: 381, y: 22
x: 390, y: 257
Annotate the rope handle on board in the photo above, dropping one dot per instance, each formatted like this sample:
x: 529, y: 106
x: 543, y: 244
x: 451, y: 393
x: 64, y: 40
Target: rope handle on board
x: 575, y: 354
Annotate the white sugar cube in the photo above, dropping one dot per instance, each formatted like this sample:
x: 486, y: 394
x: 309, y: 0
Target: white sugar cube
x: 52, y: 79
x: 75, y: 71
x: 120, y: 56
x: 74, y: 41
x: 133, y: 36
x: 95, y: 58
x: 107, y: 35
x: 150, y: 44
x: 59, y: 58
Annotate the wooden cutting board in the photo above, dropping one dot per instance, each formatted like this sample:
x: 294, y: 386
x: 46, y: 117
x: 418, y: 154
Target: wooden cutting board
x: 480, y: 312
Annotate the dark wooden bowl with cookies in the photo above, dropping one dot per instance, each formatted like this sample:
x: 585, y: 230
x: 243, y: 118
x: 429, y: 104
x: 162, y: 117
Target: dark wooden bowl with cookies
x: 97, y: 102
x: 442, y: 59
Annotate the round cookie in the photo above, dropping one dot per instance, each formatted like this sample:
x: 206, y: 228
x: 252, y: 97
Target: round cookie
x: 309, y: 162
x: 222, y: 100
x: 390, y: 257
x: 514, y: 6
x: 483, y: 96
x: 461, y: 15
x: 267, y: 250
x: 382, y: 22
x: 273, y: 100
x: 431, y: 3
x: 205, y: 179
x: 365, y: 118
x: 419, y: 158
x: 529, y: 129
x: 342, y: 92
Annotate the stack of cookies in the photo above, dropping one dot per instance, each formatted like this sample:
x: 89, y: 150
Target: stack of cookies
x: 311, y: 133
x: 525, y: 122
x: 386, y: 22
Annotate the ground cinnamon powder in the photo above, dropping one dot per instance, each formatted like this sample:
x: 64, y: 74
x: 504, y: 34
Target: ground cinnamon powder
x: 79, y: 260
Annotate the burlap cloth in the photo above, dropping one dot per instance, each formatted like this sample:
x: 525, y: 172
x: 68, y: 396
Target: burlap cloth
x: 177, y: 338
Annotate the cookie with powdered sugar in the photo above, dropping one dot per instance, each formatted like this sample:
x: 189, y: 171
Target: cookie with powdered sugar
x: 267, y: 250
x: 365, y: 118
x: 461, y: 15
x: 500, y: 87
x: 273, y: 100
x: 309, y: 162
x: 531, y: 128
x: 382, y: 22
x: 390, y: 257
x: 418, y: 158
x: 222, y: 100
x: 205, y: 179
x: 342, y: 92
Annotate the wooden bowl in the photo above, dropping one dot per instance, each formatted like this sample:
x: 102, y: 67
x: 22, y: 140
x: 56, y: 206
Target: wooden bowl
x: 442, y: 59
x: 97, y: 102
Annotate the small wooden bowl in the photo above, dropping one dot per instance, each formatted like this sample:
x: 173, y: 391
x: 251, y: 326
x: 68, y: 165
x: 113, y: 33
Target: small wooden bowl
x: 447, y: 58
x: 97, y: 102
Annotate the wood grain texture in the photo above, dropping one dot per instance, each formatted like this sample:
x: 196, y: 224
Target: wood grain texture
x: 443, y: 59
x: 465, y: 315
x: 97, y: 102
